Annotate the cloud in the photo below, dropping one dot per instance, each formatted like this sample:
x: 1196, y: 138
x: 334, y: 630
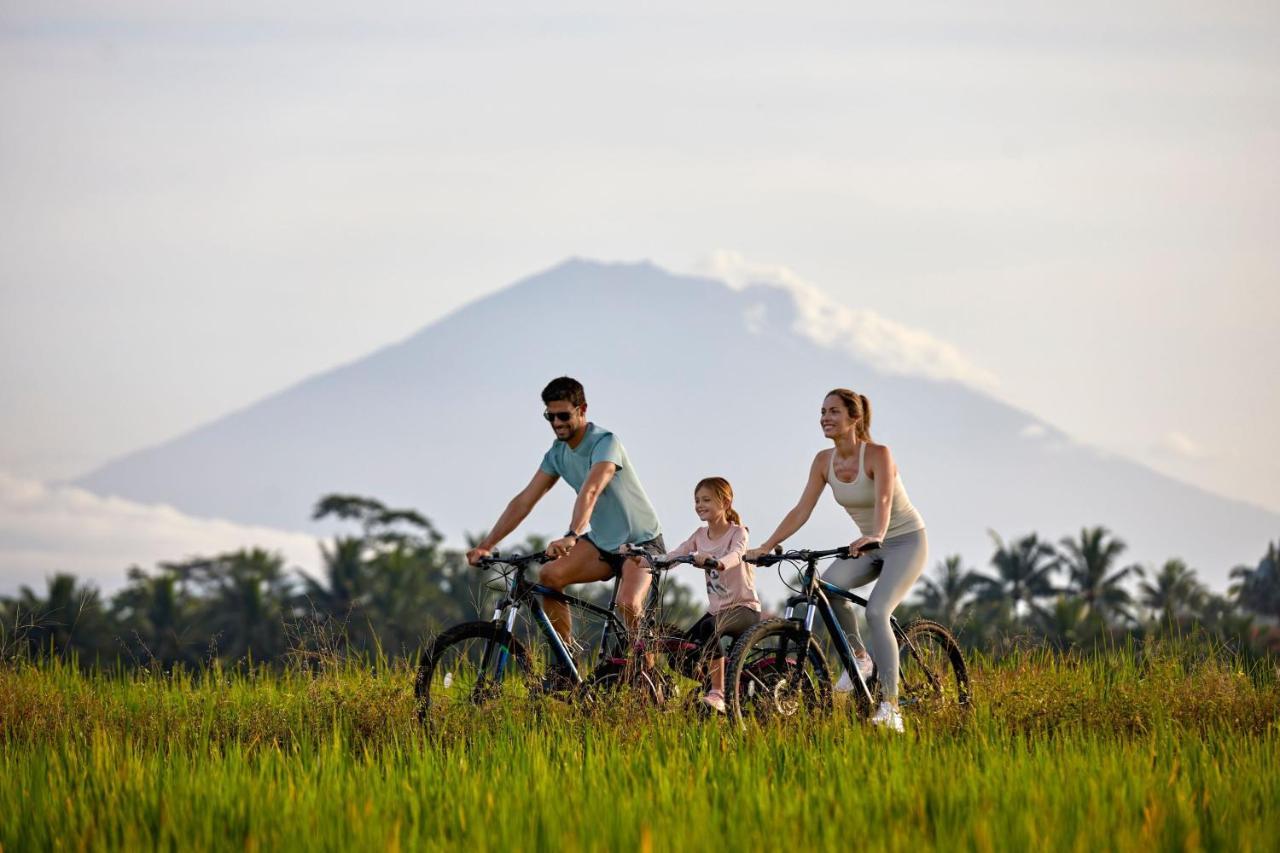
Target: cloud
x: 1181, y: 446
x: 46, y: 529
x: 886, y: 344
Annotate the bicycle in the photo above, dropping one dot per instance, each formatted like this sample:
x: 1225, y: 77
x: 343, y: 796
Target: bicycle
x: 480, y: 662
x: 778, y: 669
x: 684, y: 655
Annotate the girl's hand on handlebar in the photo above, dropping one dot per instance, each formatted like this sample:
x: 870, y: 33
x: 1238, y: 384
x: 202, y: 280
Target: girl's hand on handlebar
x: 700, y: 559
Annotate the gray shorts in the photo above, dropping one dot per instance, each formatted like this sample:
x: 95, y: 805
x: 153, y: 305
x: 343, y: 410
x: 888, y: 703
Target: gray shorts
x: 655, y: 547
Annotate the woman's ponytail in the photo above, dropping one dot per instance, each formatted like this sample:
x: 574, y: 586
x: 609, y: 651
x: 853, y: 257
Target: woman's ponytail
x: 863, y: 428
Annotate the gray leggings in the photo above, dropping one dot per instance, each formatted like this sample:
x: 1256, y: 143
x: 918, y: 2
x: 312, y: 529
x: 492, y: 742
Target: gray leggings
x: 904, y: 558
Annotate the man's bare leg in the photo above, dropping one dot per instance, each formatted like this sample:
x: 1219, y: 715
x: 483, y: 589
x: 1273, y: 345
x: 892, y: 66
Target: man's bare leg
x: 635, y: 585
x: 581, y: 565
x: 631, y: 594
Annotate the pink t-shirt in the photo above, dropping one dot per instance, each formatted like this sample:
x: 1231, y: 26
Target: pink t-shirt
x: 734, y: 583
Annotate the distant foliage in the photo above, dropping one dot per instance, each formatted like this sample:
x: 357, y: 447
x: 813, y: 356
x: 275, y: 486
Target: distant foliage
x: 388, y: 585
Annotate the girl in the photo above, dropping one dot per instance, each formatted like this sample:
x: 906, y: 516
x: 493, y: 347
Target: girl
x: 864, y: 481
x: 733, y: 605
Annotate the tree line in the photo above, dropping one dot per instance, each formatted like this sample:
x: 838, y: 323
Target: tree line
x: 389, y: 584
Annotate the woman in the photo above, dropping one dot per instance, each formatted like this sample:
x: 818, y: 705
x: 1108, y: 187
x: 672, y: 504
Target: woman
x: 864, y: 480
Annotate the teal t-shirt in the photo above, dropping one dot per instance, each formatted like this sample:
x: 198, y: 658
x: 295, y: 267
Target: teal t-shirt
x: 623, y: 514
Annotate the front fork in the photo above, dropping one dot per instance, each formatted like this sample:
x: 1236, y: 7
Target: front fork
x: 843, y: 649
x: 504, y: 615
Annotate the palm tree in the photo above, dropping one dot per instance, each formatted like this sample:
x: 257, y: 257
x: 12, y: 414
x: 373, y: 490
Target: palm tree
x: 944, y: 596
x: 1258, y: 589
x: 1089, y: 561
x: 1173, y: 593
x: 1024, y: 571
x: 246, y: 598
x: 154, y: 613
x: 1067, y: 622
x: 68, y: 619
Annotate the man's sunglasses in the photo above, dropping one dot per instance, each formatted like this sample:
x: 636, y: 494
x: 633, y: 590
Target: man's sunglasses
x: 552, y: 417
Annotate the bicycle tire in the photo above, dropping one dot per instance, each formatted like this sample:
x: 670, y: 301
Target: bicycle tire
x: 683, y: 655
x: 443, y: 674
x: 936, y: 680
x: 774, y: 672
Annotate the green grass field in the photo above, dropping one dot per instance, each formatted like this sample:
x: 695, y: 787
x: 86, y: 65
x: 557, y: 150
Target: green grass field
x: 1172, y: 749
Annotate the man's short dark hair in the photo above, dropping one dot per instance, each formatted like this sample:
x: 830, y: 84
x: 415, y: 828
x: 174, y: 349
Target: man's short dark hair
x: 567, y: 389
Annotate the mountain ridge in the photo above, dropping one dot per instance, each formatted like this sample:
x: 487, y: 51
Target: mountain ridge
x: 697, y: 377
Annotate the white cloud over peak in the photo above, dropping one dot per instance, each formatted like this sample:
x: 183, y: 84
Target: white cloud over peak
x: 45, y: 529
x: 886, y: 344
x: 1181, y: 446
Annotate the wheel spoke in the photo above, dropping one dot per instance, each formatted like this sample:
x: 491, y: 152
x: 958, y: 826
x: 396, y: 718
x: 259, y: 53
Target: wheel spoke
x: 933, y: 675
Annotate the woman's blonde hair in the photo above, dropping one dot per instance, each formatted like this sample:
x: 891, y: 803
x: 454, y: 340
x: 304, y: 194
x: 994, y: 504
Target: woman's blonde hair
x: 859, y: 408
x: 720, y: 487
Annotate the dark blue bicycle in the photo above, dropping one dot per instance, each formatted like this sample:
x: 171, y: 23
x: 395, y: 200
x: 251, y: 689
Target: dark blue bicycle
x: 778, y: 669
x: 476, y: 663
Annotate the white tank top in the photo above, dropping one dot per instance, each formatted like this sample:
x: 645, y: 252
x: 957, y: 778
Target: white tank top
x: 859, y: 500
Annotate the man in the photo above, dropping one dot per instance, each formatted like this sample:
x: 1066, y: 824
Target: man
x: 612, y: 510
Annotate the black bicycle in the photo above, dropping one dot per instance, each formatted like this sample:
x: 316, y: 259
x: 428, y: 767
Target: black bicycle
x: 480, y: 662
x: 778, y: 669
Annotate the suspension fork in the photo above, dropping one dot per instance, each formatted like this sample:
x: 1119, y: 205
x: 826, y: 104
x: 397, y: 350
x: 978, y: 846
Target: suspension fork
x: 505, y: 615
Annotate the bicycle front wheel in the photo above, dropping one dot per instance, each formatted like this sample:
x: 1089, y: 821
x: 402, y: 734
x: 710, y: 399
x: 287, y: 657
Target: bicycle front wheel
x: 775, y: 672
x: 932, y: 675
x: 470, y: 665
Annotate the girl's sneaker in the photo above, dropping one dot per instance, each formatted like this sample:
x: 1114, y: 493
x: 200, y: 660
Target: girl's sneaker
x: 888, y: 717
x: 715, y: 701
x: 865, y: 668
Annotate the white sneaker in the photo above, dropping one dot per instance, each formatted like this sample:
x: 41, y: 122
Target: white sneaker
x: 865, y: 669
x: 887, y: 716
x: 715, y: 701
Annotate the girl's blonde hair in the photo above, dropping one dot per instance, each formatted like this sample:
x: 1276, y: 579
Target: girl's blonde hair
x: 720, y: 487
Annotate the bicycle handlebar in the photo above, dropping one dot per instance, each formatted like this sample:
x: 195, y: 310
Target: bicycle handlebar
x: 662, y: 563
x: 517, y: 560
x: 780, y: 556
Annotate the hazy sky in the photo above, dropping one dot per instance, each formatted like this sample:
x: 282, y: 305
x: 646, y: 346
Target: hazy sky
x: 200, y: 207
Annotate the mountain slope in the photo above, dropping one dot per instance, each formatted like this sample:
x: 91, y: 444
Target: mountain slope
x: 696, y: 378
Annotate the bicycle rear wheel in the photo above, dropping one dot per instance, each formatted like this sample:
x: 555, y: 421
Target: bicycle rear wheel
x: 932, y: 675
x: 616, y: 678
x: 470, y: 665
x: 776, y: 672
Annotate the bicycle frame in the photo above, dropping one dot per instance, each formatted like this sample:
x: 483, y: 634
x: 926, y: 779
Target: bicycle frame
x: 815, y: 598
x: 522, y: 592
